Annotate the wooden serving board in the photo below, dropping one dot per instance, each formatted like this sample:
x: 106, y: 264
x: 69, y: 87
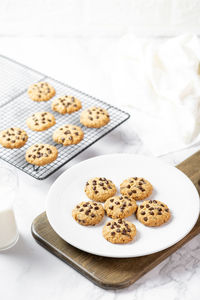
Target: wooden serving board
x: 112, y: 273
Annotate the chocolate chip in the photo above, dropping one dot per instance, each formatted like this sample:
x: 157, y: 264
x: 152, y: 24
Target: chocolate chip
x: 166, y: 209
x: 67, y: 132
x: 108, y: 224
x: 77, y: 206
x: 151, y: 208
x: 147, y: 205
x: 117, y: 202
x: 134, y: 191
x: 145, y: 219
x: 76, y: 133
x: 135, y: 178
x: 150, y: 201
x: 111, y: 207
x: 120, y: 221
x: 85, y: 204
x: 111, y: 200
x: 124, y: 231
x: 87, y: 212
x: 128, y: 186
x: 112, y: 233
x: 112, y: 226
x: 92, y: 215
x: 154, y: 201
x: 142, y: 213
x: 118, y: 230
x: 141, y: 206
x: 151, y: 213
x: 87, y: 183
x: 96, y: 208
x: 90, y: 118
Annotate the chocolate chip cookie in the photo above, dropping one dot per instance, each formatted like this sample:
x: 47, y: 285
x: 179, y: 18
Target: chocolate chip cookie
x: 13, y: 137
x: 119, y: 231
x: 136, y: 188
x: 88, y: 213
x: 68, y: 135
x: 120, y: 207
x: 40, y: 121
x: 66, y: 105
x: 41, y: 154
x: 100, y: 189
x: 153, y: 213
x: 41, y: 91
x: 94, y: 117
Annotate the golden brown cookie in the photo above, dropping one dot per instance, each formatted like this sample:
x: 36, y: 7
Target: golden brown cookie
x: 40, y: 121
x: 119, y: 231
x: 13, y: 137
x: 41, y: 91
x: 153, y: 213
x: 66, y: 105
x: 68, y: 135
x: 120, y: 207
x: 136, y: 188
x: 88, y: 213
x: 100, y: 189
x: 94, y: 117
x: 41, y: 154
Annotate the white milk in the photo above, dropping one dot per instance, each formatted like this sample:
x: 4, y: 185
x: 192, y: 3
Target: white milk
x: 8, y: 228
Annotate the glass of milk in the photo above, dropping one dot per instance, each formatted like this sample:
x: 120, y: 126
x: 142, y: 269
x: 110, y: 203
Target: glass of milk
x: 8, y: 189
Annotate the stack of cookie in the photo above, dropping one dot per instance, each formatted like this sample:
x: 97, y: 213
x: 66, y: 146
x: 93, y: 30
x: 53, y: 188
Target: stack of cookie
x: 67, y: 134
x: 118, y: 230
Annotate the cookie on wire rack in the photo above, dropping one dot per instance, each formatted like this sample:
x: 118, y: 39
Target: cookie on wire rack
x: 13, y: 137
x: 94, y: 117
x: 66, y: 105
x: 41, y: 91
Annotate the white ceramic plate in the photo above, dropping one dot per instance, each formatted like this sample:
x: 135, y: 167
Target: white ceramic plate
x: 170, y: 186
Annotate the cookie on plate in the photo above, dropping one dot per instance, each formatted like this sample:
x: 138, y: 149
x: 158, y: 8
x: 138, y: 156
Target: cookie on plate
x: 119, y: 231
x: 68, y: 135
x: 41, y: 154
x: 100, y: 189
x: 88, y: 213
x: 41, y: 91
x: 13, y: 137
x: 120, y: 207
x: 94, y: 117
x: 40, y: 121
x: 153, y: 213
x: 66, y: 105
x: 136, y: 188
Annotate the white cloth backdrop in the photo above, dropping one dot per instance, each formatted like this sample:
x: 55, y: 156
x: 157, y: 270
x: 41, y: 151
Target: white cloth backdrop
x: 160, y: 83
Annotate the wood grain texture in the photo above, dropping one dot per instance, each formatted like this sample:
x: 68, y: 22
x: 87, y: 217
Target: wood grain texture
x: 113, y: 273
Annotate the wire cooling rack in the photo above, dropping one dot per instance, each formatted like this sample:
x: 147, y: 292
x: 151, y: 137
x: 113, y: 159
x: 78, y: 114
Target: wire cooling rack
x: 16, y: 107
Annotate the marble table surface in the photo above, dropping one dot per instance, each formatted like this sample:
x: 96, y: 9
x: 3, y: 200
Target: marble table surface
x: 27, y: 271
